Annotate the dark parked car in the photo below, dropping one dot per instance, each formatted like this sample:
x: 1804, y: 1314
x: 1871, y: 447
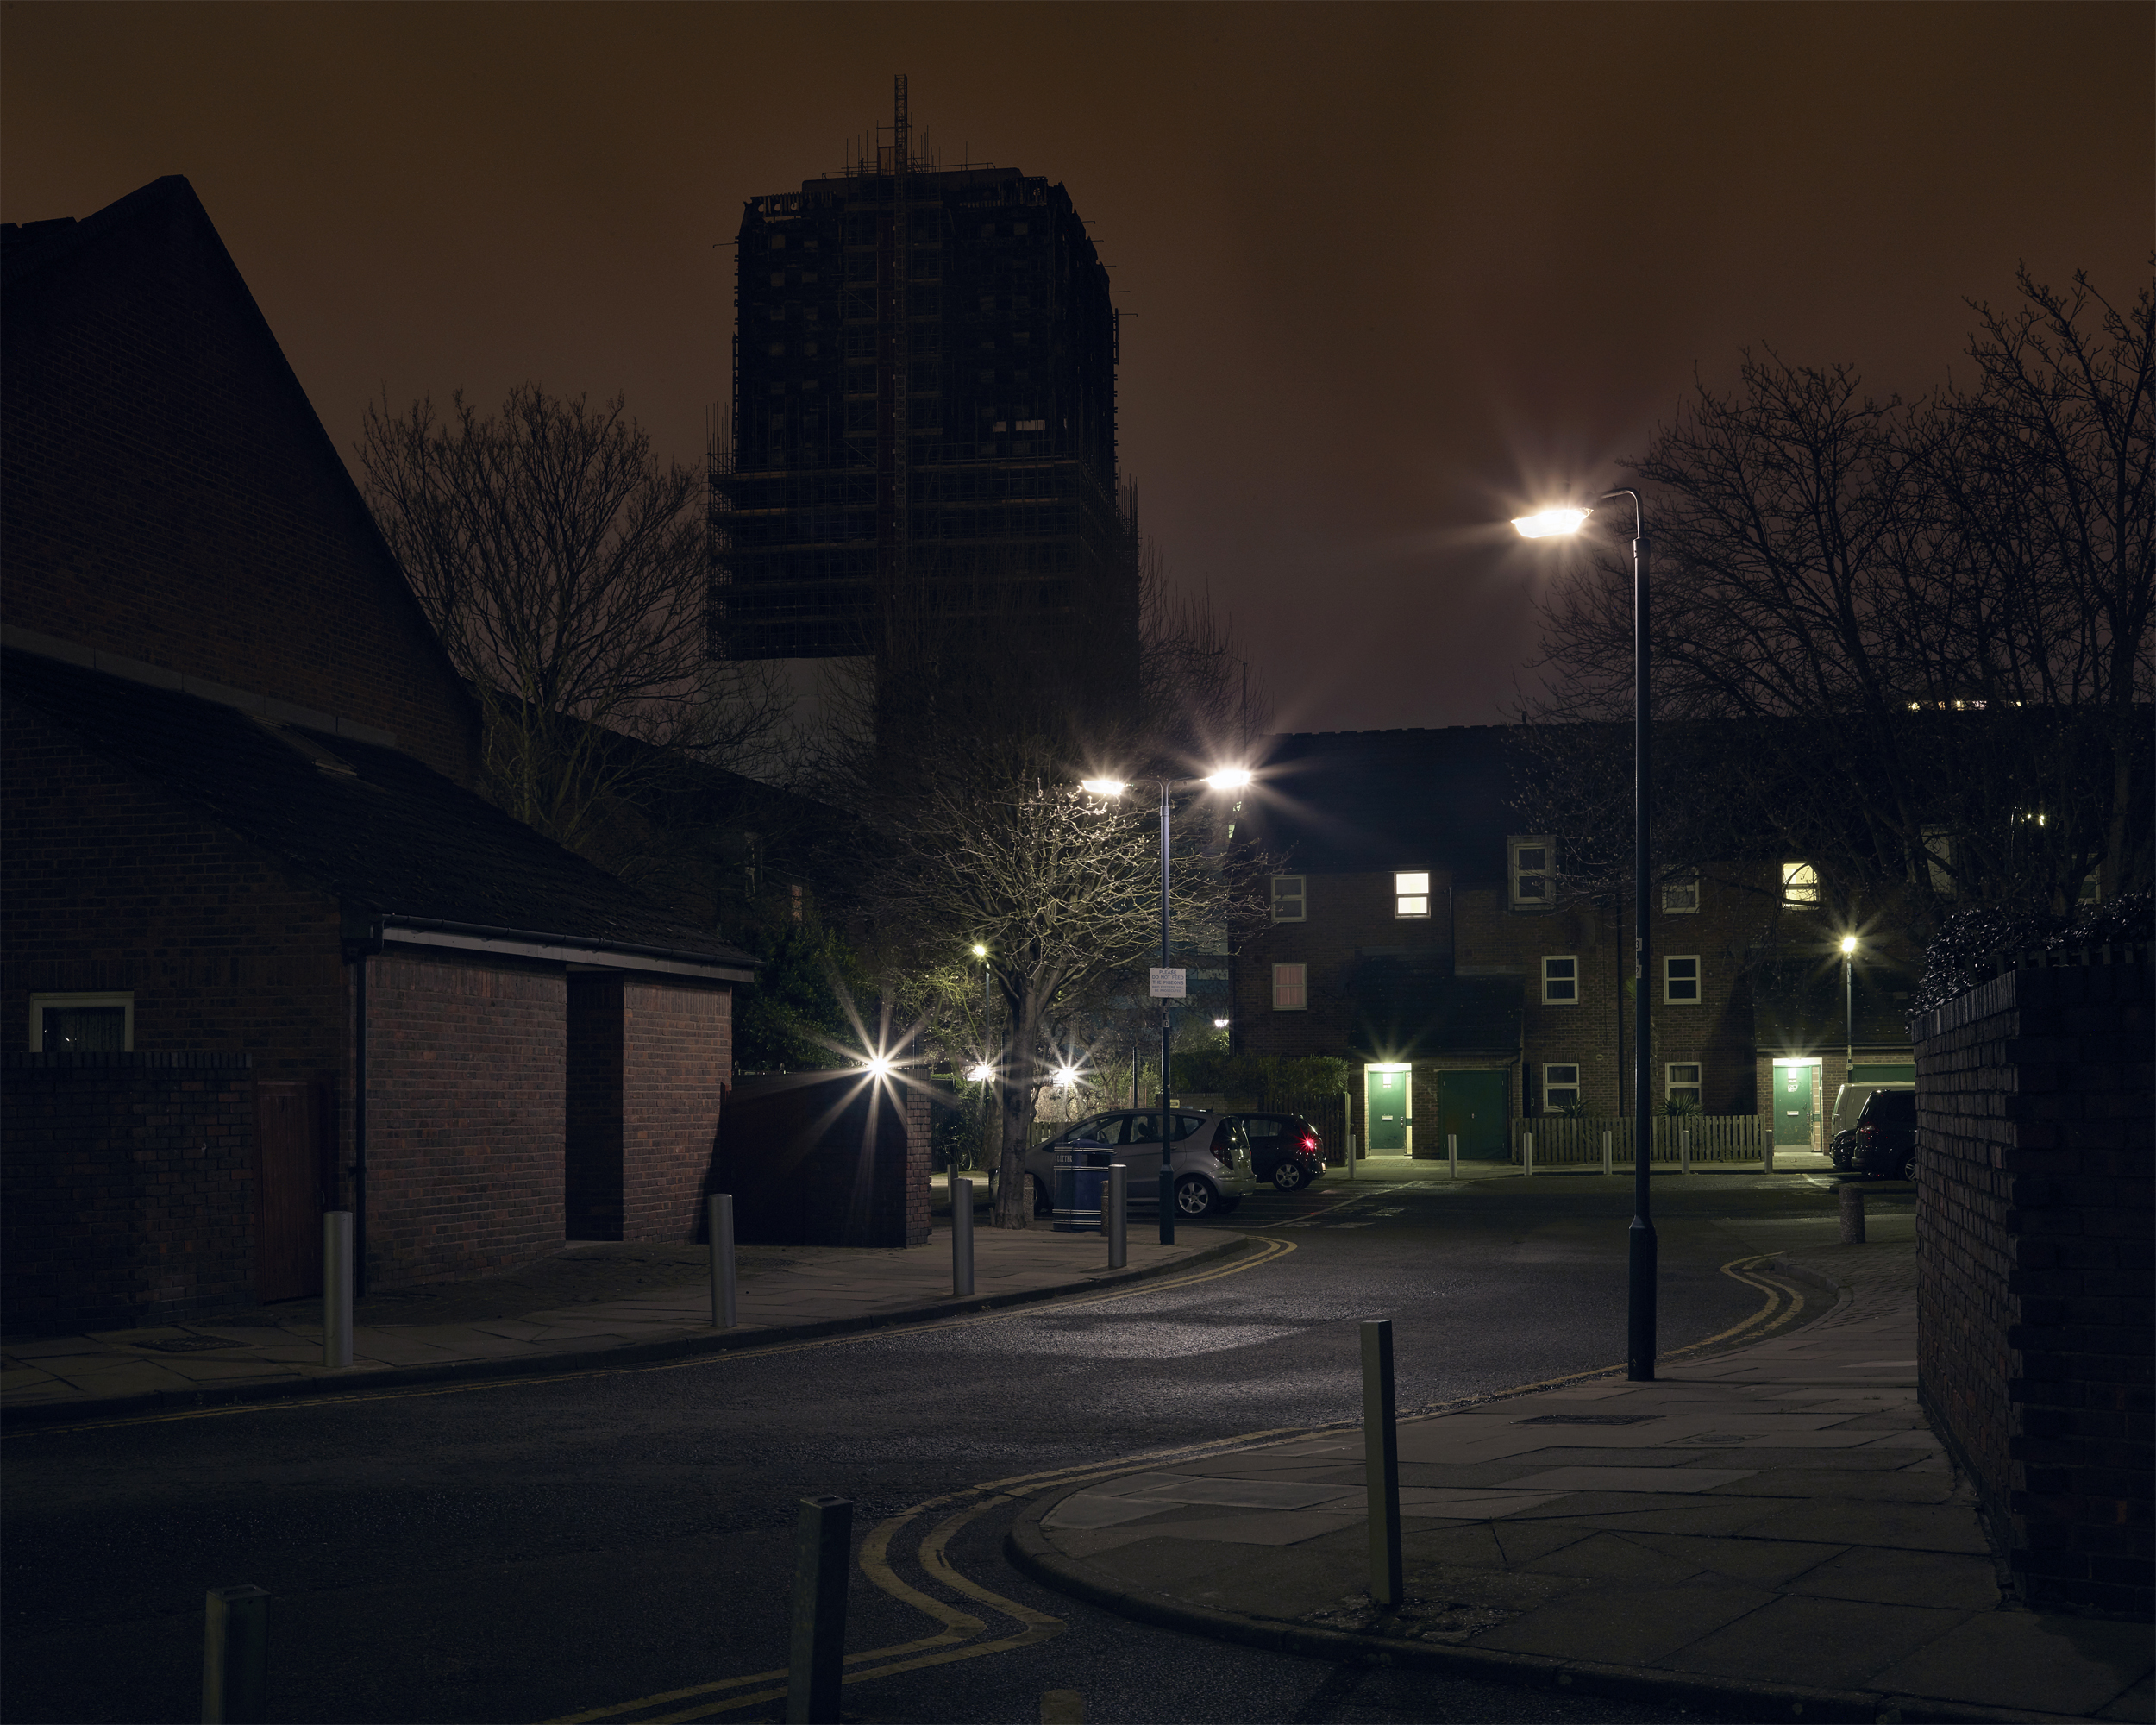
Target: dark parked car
x: 1884, y: 1135
x: 1285, y: 1148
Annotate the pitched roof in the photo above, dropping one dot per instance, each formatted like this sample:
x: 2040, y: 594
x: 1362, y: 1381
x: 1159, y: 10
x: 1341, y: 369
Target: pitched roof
x: 386, y: 835
x: 1364, y: 801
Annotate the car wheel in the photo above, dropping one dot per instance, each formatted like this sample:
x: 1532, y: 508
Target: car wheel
x: 1906, y: 1170
x: 1194, y: 1198
x: 1043, y: 1204
x: 1288, y: 1175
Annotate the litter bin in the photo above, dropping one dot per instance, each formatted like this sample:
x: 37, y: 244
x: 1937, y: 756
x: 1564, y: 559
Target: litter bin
x: 1082, y: 1178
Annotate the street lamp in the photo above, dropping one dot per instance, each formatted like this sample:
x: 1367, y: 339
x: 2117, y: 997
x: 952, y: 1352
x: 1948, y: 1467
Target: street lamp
x: 1848, y: 1008
x: 1640, y: 1299
x: 1229, y: 778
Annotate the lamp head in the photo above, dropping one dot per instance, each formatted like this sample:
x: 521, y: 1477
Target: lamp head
x: 1105, y: 788
x: 981, y: 1074
x: 1549, y: 522
x: 1848, y: 944
x: 878, y: 1066
x: 1229, y: 779
x: 1066, y: 1076
x: 978, y: 950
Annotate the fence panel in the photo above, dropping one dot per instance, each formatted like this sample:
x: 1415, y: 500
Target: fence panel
x: 1562, y: 1142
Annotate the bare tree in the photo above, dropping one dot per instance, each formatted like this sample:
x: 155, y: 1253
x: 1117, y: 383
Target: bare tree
x: 567, y: 573
x: 1905, y: 644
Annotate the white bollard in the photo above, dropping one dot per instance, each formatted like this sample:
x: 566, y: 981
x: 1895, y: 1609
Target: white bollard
x: 1452, y: 1155
x: 336, y: 1289
x: 1528, y: 1155
x: 960, y: 1236
x: 1766, y: 1152
x: 236, y: 1651
x: 1684, y: 1152
x: 718, y: 1211
x: 1606, y: 1162
x: 1351, y: 1155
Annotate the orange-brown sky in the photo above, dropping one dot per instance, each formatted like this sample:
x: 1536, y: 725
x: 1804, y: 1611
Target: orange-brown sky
x: 1390, y: 270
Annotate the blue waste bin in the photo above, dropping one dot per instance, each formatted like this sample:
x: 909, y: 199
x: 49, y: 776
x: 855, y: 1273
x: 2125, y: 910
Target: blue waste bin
x: 1082, y: 1178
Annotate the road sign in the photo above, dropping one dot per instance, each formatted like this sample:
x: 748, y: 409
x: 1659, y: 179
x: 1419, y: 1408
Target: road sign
x: 1168, y: 985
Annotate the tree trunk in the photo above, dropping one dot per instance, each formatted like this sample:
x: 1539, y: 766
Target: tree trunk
x: 1014, y: 1107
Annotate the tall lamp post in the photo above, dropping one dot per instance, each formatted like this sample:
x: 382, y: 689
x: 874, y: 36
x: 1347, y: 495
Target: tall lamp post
x: 1640, y: 1305
x: 1232, y: 779
x: 984, y: 1071
x: 1848, y: 1008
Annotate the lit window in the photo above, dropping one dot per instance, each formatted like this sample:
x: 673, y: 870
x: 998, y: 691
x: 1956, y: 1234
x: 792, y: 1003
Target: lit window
x: 1289, y: 902
x: 1939, y: 858
x: 1533, y: 874
x: 1411, y: 895
x: 1682, y: 1082
x: 1680, y: 980
x: 1681, y: 898
x: 1560, y: 1088
x: 1291, y: 988
x: 1560, y: 982
x: 1799, y: 884
x: 81, y: 1024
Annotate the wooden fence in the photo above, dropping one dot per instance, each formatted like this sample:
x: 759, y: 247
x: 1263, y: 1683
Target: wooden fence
x: 1714, y: 1141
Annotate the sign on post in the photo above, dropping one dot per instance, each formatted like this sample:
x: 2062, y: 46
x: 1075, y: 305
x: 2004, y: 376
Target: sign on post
x: 1168, y: 985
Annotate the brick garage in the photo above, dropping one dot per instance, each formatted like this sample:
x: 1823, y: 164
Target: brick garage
x: 127, y: 1194
x: 2034, y: 1257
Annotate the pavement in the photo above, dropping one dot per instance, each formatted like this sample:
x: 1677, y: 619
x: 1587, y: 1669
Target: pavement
x: 1771, y: 1531
x: 590, y: 1305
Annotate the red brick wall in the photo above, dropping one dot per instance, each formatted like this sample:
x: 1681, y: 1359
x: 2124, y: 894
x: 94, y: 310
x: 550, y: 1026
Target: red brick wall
x: 676, y: 1062
x: 1345, y: 916
x: 466, y: 1116
x: 111, y: 884
x: 167, y: 494
x: 127, y: 1189
x: 2036, y: 1127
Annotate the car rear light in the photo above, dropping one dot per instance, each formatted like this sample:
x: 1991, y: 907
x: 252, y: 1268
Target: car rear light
x: 1309, y: 1141
x: 1224, y: 1154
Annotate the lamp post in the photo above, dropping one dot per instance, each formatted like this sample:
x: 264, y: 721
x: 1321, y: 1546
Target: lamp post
x: 1640, y: 1348
x: 1848, y: 1008
x: 1230, y: 779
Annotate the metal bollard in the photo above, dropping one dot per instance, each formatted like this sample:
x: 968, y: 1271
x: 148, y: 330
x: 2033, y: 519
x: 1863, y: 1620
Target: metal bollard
x: 1351, y: 1155
x: 1606, y: 1152
x: 719, y: 1212
x: 1766, y: 1156
x: 1684, y: 1152
x: 235, y: 1654
x: 1452, y: 1156
x: 822, y: 1564
x: 1528, y: 1155
x: 1118, y: 1217
x: 961, y: 1236
x: 1852, y: 1213
x: 336, y: 1289
x: 1381, y: 1461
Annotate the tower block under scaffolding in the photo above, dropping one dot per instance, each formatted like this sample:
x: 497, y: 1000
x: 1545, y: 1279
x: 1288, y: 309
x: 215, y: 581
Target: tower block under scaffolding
x: 922, y: 432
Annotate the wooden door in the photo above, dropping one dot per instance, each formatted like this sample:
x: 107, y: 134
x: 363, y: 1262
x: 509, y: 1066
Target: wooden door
x: 1474, y: 1108
x: 1386, y: 1112
x: 1793, y: 1106
x: 292, y: 1187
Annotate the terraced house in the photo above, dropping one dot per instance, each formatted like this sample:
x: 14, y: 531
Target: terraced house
x: 1415, y: 930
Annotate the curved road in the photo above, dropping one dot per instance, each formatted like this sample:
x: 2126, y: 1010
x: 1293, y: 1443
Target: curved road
x: 570, y: 1548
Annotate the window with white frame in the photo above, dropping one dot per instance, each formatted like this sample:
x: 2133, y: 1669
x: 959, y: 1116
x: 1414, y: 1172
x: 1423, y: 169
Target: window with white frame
x: 1411, y: 894
x: 1560, y: 1088
x: 2092, y: 888
x: 1681, y: 897
x: 1561, y: 981
x: 1291, y: 988
x: 1800, y: 885
x: 1938, y: 859
x: 1680, y: 980
x: 1290, y: 902
x: 81, y: 1024
x: 1533, y: 874
x: 1681, y: 1081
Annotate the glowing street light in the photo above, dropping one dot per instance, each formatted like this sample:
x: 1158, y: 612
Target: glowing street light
x: 878, y: 1066
x: 1640, y: 1298
x: 978, y: 950
x: 1066, y: 1076
x: 1848, y: 1008
x: 1105, y: 788
x: 981, y: 1073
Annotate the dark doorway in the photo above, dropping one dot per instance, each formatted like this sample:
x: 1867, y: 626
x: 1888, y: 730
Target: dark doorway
x: 292, y: 1183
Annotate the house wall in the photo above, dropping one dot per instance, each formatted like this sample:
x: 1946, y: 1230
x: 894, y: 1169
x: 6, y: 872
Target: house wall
x: 157, y: 450
x: 678, y: 1062
x: 127, y: 1191
x: 1347, y: 918
x: 466, y: 1115
x: 110, y: 885
x: 2036, y: 1125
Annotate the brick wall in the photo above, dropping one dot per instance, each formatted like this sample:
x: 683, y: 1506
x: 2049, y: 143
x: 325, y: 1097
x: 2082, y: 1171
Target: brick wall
x: 2035, y: 1140
x: 591, y: 1176
x: 825, y: 1159
x: 1346, y: 916
x: 167, y: 494
x: 466, y: 1116
x: 677, y: 1060
x: 110, y: 885
x: 127, y: 1189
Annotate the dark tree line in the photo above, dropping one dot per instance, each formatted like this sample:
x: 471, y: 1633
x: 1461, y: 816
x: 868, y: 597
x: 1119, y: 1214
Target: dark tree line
x: 1909, y: 642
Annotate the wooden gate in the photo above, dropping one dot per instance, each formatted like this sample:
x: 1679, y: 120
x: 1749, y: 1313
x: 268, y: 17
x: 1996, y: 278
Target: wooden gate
x: 292, y: 1184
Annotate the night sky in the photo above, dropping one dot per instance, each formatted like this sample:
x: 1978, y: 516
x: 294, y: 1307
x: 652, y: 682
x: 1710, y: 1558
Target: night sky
x: 1390, y: 272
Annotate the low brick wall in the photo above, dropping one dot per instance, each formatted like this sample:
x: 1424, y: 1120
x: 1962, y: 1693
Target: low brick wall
x: 2036, y: 1140
x: 127, y: 1189
x: 826, y: 1159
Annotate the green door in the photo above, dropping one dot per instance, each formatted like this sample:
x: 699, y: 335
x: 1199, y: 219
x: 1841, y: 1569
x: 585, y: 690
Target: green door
x: 1473, y: 1108
x: 1385, y: 1098
x: 1793, y: 1106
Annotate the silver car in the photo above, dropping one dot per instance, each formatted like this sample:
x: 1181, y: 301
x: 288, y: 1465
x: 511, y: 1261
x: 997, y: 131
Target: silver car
x: 1210, y: 1155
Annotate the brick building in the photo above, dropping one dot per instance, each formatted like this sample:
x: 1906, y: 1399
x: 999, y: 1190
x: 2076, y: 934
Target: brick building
x: 241, y: 824
x: 1426, y: 939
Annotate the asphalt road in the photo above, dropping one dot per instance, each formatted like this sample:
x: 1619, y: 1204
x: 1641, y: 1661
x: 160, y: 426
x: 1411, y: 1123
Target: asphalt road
x: 569, y: 1547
